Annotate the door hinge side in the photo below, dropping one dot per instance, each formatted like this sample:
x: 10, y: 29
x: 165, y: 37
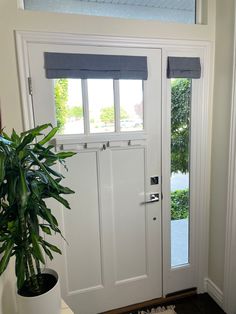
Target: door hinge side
x: 30, y: 88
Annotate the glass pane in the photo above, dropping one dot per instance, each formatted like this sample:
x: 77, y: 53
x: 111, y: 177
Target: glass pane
x: 131, y: 105
x: 101, y: 105
x: 69, y: 106
x: 180, y: 170
x: 181, y: 11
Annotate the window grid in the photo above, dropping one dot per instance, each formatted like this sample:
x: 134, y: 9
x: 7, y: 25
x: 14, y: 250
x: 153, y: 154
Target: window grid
x: 131, y: 120
x: 84, y: 86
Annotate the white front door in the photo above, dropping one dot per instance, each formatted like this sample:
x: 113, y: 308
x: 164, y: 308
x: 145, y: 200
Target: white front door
x: 113, y: 257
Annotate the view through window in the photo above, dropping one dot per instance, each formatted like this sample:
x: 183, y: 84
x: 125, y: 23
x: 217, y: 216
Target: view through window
x: 180, y: 169
x: 112, y: 105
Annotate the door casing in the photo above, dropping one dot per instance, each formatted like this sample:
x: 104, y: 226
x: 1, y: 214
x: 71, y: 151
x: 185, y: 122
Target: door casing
x: 201, y: 152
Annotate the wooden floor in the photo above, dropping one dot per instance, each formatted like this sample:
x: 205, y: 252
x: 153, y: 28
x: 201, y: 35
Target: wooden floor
x: 196, y: 304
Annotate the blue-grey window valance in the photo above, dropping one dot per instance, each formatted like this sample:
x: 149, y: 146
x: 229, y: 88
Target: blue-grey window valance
x: 183, y: 67
x: 73, y: 65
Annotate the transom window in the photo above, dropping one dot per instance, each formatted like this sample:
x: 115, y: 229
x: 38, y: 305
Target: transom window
x: 90, y: 106
x: 181, y: 11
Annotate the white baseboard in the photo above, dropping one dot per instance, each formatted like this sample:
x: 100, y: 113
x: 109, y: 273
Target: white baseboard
x: 214, y: 292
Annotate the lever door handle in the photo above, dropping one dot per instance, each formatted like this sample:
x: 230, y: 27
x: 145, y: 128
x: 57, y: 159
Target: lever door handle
x: 154, y: 197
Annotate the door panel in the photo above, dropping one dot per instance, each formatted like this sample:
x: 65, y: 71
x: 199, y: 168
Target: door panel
x: 84, y: 222
x: 129, y: 214
x: 114, y: 252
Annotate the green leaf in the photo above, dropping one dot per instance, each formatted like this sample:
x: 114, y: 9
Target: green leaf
x: 36, y: 248
x: 11, y: 185
x: 52, y: 247
x: 47, y: 251
x: 51, y: 180
x: 65, y: 190
x: 46, y: 229
x: 5, y: 141
x: 47, y: 215
x: 48, y: 136
x: 6, y: 257
x: 36, y: 131
x: 3, y: 247
x: 63, y: 155
x: 23, y: 188
x: 55, y: 173
x: 60, y: 199
x: 27, y: 140
x: 15, y: 137
x: 6, y: 136
x: 2, y: 166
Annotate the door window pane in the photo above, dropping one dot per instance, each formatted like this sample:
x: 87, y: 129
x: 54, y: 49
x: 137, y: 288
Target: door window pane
x: 101, y: 105
x: 69, y: 106
x: 180, y: 170
x: 131, y: 105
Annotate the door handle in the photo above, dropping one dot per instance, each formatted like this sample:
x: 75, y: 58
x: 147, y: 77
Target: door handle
x: 154, y: 197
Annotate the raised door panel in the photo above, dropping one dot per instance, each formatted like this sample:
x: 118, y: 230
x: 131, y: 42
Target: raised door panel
x: 82, y: 224
x: 128, y: 175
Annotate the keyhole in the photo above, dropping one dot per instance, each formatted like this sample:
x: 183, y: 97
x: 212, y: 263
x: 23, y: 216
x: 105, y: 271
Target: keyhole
x: 154, y: 218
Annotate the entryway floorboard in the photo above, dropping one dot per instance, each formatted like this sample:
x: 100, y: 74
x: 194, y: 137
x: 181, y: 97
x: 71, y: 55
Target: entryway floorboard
x: 191, y: 304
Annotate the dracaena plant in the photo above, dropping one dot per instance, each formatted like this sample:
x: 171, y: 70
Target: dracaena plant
x: 27, y: 179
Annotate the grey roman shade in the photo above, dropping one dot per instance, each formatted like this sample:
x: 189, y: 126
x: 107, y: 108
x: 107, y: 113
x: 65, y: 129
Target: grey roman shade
x: 71, y: 65
x: 178, y: 67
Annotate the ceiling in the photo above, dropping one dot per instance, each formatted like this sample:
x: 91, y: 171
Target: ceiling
x: 188, y: 5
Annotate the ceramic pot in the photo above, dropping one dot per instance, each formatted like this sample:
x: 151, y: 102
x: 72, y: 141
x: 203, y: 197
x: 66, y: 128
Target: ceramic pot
x: 47, y: 303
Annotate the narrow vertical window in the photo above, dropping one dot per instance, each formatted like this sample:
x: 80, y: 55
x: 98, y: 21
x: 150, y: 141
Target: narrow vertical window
x: 69, y: 106
x: 181, y: 95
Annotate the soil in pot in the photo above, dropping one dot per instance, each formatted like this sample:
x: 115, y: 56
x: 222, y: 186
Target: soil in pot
x: 46, y: 282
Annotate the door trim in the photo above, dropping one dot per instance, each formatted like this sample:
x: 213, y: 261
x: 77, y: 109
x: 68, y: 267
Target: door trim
x: 23, y: 38
x: 230, y: 247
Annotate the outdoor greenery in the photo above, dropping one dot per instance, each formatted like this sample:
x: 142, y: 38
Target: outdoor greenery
x: 27, y: 179
x: 180, y: 124
x: 179, y: 204
x: 61, y: 99
x: 107, y: 115
x: 75, y: 112
x: 180, y: 140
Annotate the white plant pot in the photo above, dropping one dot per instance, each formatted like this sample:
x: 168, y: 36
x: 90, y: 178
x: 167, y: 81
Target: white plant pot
x: 47, y: 303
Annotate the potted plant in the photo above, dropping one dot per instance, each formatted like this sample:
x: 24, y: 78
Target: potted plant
x: 27, y: 179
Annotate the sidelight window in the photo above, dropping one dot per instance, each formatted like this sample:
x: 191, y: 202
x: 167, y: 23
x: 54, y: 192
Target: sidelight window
x: 181, y: 71
x: 181, y: 95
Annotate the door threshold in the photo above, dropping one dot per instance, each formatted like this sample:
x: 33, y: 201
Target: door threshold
x: 169, y: 298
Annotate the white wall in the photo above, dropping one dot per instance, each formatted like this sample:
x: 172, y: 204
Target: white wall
x: 12, y: 18
x: 220, y: 137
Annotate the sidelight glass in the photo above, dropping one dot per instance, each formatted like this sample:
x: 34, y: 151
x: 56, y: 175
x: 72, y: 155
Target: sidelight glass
x: 181, y: 95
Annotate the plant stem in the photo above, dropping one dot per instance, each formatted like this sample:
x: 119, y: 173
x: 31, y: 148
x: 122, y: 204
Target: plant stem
x: 33, y: 277
x: 31, y: 273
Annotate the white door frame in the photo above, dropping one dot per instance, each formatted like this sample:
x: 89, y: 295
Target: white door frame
x: 202, y: 154
x: 229, y: 302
